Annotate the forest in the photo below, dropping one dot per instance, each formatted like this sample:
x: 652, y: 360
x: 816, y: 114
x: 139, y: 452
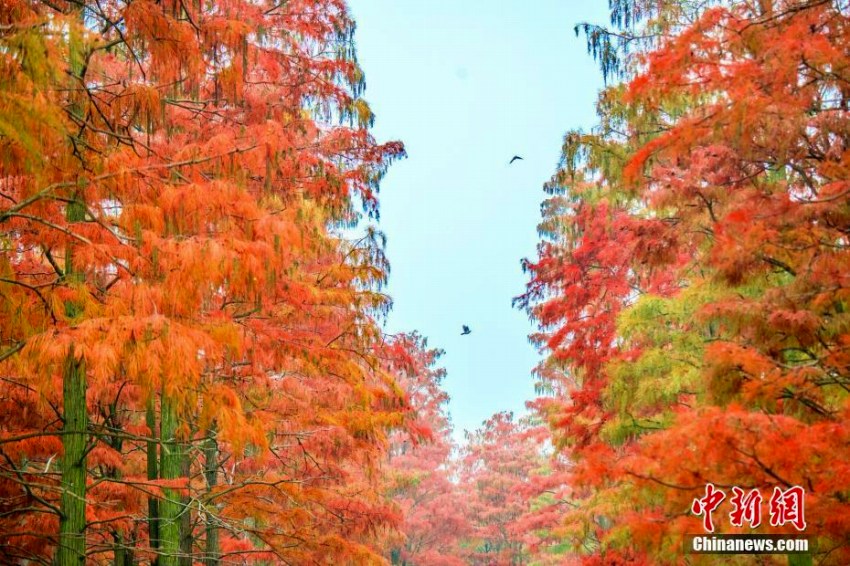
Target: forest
x: 194, y: 368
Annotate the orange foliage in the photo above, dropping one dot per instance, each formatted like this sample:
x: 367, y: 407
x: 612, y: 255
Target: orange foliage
x: 172, y: 181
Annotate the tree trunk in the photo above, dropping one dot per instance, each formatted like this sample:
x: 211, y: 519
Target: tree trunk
x: 120, y: 553
x: 153, y: 474
x: 213, y: 553
x: 124, y: 555
x: 72, y: 521
x: 186, y: 540
x: 170, y: 468
x: 799, y: 560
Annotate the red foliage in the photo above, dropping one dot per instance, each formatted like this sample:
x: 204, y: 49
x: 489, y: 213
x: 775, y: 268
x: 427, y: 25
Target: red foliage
x: 717, y: 180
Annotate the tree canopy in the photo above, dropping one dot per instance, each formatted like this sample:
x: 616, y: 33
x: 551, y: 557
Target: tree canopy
x: 193, y: 366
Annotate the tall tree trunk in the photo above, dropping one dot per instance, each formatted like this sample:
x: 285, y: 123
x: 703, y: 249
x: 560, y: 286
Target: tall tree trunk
x: 72, y: 521
x: 153, y: 474
x: 213, y: 553
x: 119, y: 554
x: 123, y: 549
x: 186, y: 540
x: 125, y: 554
x: 170, y: 468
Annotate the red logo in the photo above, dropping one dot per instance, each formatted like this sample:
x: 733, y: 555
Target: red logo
x: 746, y: 508
x: 705, y: 506
x: 786, y: 507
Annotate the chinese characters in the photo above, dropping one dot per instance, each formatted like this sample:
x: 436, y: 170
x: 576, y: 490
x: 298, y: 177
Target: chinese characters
x: 785, y: 507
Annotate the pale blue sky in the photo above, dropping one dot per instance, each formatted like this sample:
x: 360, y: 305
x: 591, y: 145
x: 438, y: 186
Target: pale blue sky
x: 466, y: 84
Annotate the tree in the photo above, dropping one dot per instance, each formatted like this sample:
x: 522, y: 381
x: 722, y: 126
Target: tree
x: 178, y: 310
x: 724, y: 158
x: 421, y: 470
x: 515, y: 493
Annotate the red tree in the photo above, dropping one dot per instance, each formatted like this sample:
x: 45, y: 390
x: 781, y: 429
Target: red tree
x: 421, y: 469
x: 724, y: 157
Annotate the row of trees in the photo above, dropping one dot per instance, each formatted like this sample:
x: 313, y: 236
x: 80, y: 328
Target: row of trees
x: 192, y: 369
x: 691, y: 291
x: 692, y: 285
x: 498, y: 498
x: 190, y: 365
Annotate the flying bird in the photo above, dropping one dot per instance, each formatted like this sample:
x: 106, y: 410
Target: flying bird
x: 514, y: 158
x: 466, y: 330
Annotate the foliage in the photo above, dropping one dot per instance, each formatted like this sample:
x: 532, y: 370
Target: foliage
x: 421, y: 470
x: 172, y: 177
x: 516, y: 493
x: 690, y: 286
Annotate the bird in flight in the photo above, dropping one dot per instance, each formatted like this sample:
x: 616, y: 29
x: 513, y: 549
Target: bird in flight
x: 514, y: 158
x: 466, y: 330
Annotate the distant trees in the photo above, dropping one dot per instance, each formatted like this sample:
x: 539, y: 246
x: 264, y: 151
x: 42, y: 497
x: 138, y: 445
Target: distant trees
x: 496, y: 499
x: 515, y: 493
x: 421, y: 469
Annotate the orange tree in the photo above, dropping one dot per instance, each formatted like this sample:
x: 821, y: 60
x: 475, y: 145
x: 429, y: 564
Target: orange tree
x: 187, y: 344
